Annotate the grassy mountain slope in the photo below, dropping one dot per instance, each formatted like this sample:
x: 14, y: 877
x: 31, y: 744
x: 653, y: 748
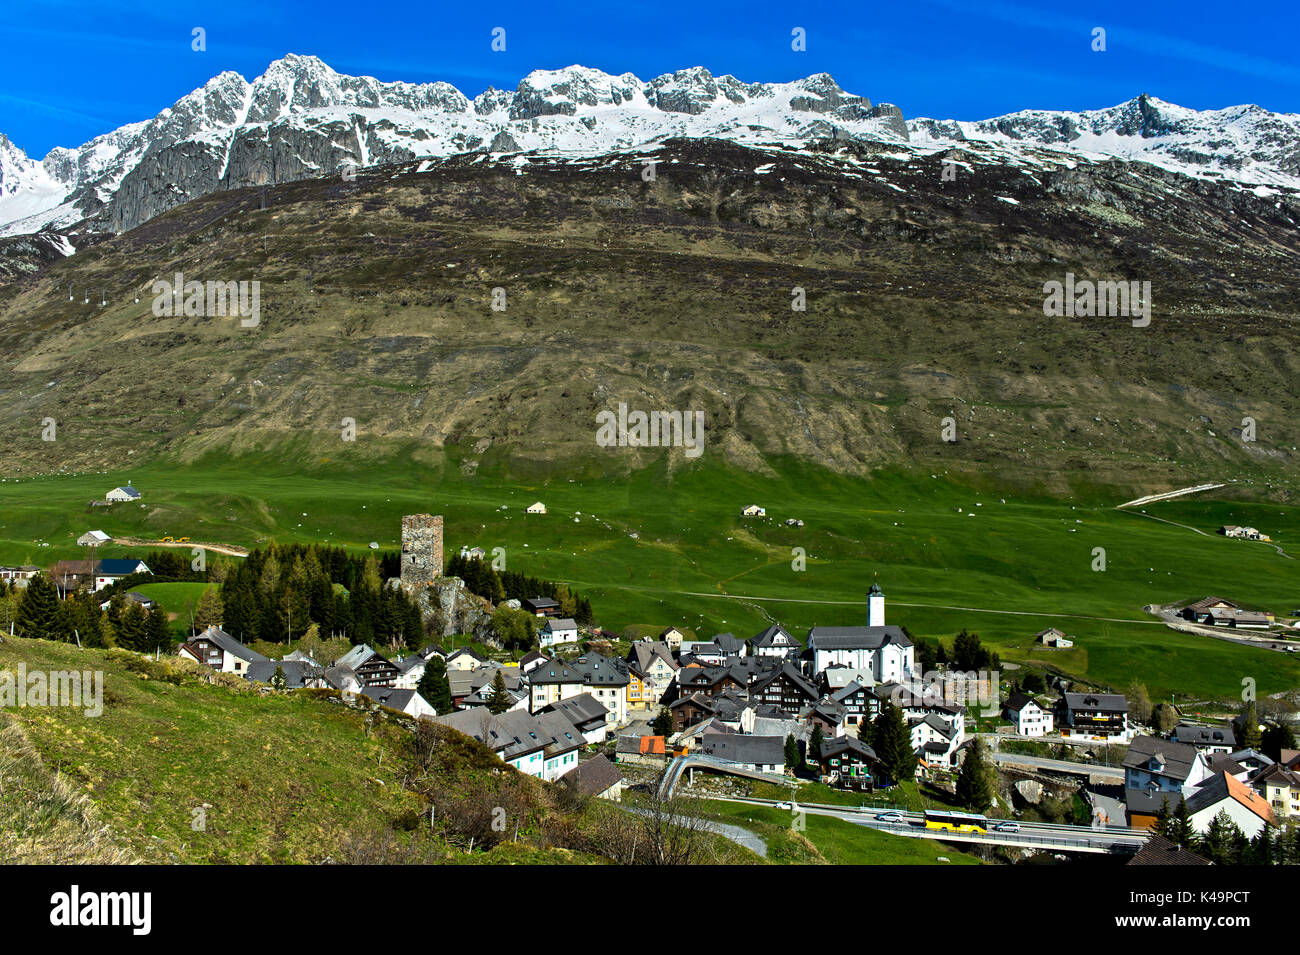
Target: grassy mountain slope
x: 924, y: 301
x: 1025, y: 556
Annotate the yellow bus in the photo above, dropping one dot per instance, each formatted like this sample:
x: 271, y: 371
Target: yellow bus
x: 956, y: 821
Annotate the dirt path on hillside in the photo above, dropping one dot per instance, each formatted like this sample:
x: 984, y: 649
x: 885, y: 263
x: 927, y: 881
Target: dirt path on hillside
x: 1152, y: 498
x: 1187, y: 527
x: 228, y: 549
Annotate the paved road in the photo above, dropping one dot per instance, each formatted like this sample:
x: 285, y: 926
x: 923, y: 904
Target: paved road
x: 1094, y: 773
x: 737, y: 834
x: 1117, y: 840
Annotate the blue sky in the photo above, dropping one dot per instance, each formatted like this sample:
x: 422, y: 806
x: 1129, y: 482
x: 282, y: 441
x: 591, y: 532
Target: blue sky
x: 72, y: 69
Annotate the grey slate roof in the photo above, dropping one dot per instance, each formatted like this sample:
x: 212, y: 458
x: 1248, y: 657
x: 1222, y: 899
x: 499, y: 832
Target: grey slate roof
x: 232, y: 646
x: 768, y: 637
x: 355, y: 657
x: 553, y: 672
x: 583, y: 710
x: 514, y: 733
x: 296, y: 672
x: 1148, y: 801
x: 856, y: 638
x: 593, y: 776
x: 1176, y: 757
x: 338, y: 677
x: 1109, y: 702
x: 1221, y: 735
x: 598, y: 670
x: 644, y: 652
x: 729, y: 643
x: 389, y: 696
x: 736, y: 748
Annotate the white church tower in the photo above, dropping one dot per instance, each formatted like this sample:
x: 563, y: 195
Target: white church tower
x: 875, y: 606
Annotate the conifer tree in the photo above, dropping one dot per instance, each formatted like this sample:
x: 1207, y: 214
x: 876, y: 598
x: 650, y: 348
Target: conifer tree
x: 499, y: 699
x: 791, y: 753
x: 434, y: 686
x: 38, y: 610
x: 973, y: 789
x: 893, y: 744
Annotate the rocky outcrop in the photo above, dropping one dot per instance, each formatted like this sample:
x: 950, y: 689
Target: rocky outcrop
x: 892, y: 118
x: 449, y: 608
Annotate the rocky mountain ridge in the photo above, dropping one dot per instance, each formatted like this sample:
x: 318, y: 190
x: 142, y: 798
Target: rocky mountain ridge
x: 300, y: 119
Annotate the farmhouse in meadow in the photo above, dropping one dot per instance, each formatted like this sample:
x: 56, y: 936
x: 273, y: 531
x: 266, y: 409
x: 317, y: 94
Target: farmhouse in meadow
x: 110, y: 571
x: 1217, y: 612
x: 753, y: 510
x: 1051, y: 637
x: 121, y: 495
x: 536, y: 508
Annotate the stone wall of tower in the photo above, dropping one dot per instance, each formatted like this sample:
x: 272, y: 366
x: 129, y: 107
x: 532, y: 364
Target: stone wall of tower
x: 421, y: 550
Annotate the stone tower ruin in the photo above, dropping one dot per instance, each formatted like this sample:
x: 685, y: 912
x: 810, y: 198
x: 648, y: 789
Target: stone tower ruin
x: 421, y: 550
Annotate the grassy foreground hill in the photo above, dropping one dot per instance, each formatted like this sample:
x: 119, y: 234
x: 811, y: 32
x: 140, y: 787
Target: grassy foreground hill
x: 179, y: 769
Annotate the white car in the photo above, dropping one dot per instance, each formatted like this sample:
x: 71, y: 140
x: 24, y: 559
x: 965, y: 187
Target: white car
x: 889, y: 817
x: 1007, y: 827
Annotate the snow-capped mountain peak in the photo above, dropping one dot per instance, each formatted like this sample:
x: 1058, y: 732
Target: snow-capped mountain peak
x: 301, y: 118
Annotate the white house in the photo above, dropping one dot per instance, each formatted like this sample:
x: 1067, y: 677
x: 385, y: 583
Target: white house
x: 112, y: 570
x: 411, y: 668
x: 93, y: 539
x: 464, y: 660
x: 122, y: 494
x: 753, y: 510
x: 935, y: 740
x: 552, y: 682
x: 407, y: 701
x: 1247, y: 809
x: 1051, y: 637
x: 774, y: 642
x: 558, y: 630
x: 544, y: 745
x: 1028, y: 718
x: 1162, y: 765
x: 219, y: 650
x: 537, y: 508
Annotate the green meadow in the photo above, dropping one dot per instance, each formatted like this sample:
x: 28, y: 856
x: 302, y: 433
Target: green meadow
x: 653, y: 550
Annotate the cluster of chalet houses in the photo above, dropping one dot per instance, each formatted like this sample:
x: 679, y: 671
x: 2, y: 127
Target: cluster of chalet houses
x: 1204, y: 768
x: 738, y: 701
x: 94, y: 575
x: 732, y: 699
x: 1200, y: 765
x: 73, y: 575
x: 541, y: 734
x: 1086, y: 717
